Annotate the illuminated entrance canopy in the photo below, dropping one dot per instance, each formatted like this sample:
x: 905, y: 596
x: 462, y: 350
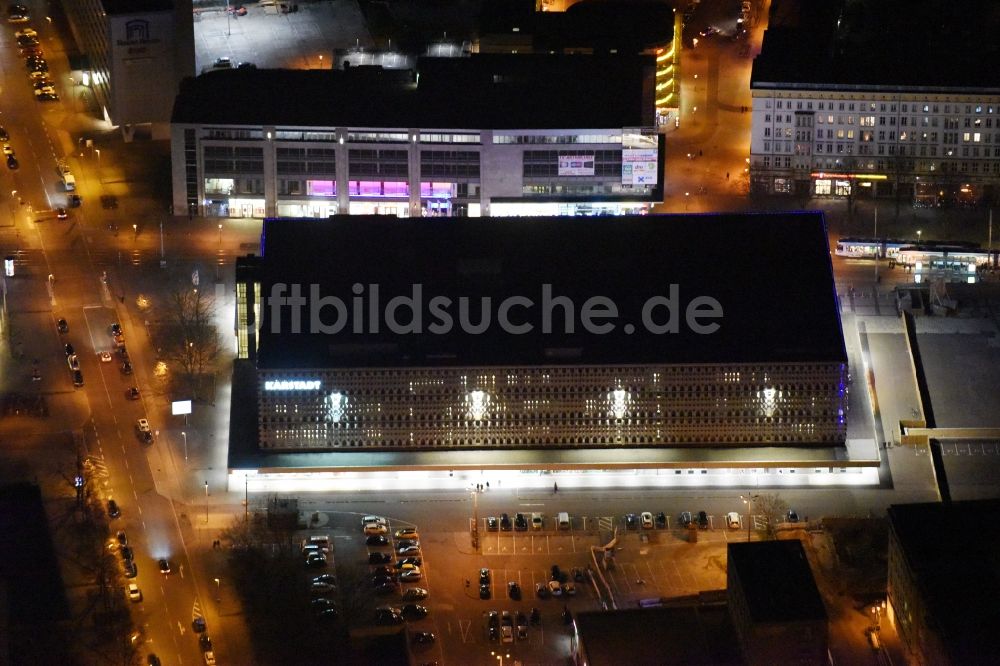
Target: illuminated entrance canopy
x: 292, y: 385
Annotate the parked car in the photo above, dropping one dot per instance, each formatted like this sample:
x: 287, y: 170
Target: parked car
x: 132, y: 393
x: 379, y: 558
x: 316, y: 560
x: 122, y: 538
x: 733, y: 520
x: 134, y: 593
x: 647, y: 520
x: 414, y: 611
x: 410, y: 575
x: 484, y: 591
x: 62, y: 326
x: 408, y: 550
x: 569, y: 589
x: 408, y: 561
x: 414, y: 594
x: 514, y: 590
x: 325, y: 578
x: 492, y: 524
x: 703, y: 520
x: 423, y: 637
x: 685, y: 518
x: 542, y: 590
x: 505, y: 523
x: 69, y: 349
x: 555, y: 588
x: 407, y: 533
x: 661, y: 520
x: 322, y: 588
x: 520, y: 522
x: 377, y: 540
x: 631, y: 521
x: 113, y: 510
x: 375, y: 528
x: 792, y: 516
x: 484, y: 576
x: 536, y: 521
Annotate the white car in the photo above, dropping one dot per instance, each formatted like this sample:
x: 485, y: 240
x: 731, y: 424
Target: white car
x: 569, y: 588
x: 555, y: 588
x: 646, y: 518
x: 209, y: 658
x: 733, y: 520
x: 27, y: 32
x: 374, y: 519
x: 411, y: 574
x: 142, y: 425
x: 7, y: 149
x: 105, y: 357
x: 536, y: 521
x: 134, y: 593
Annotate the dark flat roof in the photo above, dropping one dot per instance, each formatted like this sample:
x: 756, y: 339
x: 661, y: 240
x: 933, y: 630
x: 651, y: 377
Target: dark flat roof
x: 486, y: 91
x: 881, y: 43
x: 136, y: 6
x: 693, y: 634
x: 952, y: 549
x: 771, y: 274
x: 777, y: 581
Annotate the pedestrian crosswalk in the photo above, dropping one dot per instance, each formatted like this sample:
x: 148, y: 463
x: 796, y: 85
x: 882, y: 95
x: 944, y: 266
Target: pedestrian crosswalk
x: 196, y: 611
x: 98, y: 467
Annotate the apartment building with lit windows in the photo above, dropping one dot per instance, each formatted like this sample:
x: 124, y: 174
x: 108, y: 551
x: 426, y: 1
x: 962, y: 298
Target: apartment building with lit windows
x: 343, y: 378
x: 488, y: 135
x: 835, y: 116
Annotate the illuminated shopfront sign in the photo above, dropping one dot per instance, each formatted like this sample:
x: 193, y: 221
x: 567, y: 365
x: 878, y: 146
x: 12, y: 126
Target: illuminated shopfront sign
x: 640, y: 157
x: 292, y: 385
x: 576, y: 165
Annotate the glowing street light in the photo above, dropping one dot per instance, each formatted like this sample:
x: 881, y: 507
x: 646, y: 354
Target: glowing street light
x: 749, y: 499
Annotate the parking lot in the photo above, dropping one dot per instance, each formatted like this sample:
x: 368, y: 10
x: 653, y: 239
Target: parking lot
x: 648, y: 563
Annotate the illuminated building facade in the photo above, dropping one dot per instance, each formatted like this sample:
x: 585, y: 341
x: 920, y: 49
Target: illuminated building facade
x: 765, y: 376
x: 487, y: 135
x: 832, y: 118
x: 136, y: 53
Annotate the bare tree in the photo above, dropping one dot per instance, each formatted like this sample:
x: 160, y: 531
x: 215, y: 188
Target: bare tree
x: 191, y: 341
x: 773, y: 509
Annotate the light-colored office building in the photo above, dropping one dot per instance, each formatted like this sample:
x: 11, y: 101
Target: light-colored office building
x: 489, y: 135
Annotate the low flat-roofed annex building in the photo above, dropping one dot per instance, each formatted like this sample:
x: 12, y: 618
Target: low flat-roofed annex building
x: 766, y: 366
x: 775, y: 605
x: 489, y: 135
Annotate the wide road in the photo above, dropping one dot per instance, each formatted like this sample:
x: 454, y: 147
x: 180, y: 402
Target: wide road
x: 77, y: 253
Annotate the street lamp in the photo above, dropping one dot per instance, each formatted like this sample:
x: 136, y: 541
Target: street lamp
x: 220, y: 236
x: 749, y: 499
x: 185, y: 436
x: 218, y: 590
x: 206, y: 502
x: 919, y: 233
x: 135, y: 230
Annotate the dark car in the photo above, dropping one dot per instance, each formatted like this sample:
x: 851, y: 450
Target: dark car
x: 484, y: 591
x: 198, y: 624
x: 132, y: 393
x: 492, y: 524
x: 383, y: 571
x: 484, y: 576
x: 131, y: 570
x: 127, y: 368
x: 46, y: 95
x: 661, y: 520
x: 12, y: 162
x: 685, y: 518
x: 153, y: 660
x: 414, y: 611
x: 322, y: 604
x: 558, y: 574
x: 113, y: 510
x: 77, y: 378
x: 3, y: 134
x: 116, y: 329
x: 146, y: 437
x: 542, y: 590
x: 385, y: 588
x: 703, y: 520
x: 505, y: 524
x: 62, y: 326
x: 69, y: 349
x: 205, y: 642
x: 25, y: 41
x: 520, y: 522
x: 493, y: 622
x: 379, y: 558
x: 38, y: 66
x: 61, y: 213
x: 164, y: 565
x: 122, y: 538
x: 377, y: 540
x: 382, y: 579
x: 423, y: 637
x: 74, y: 201
x: 793, y: 517
x: 514, y: 591
x: 386, y: 616
x: 127, y: 553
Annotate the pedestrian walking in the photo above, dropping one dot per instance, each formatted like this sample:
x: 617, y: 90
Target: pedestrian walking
x: 700, y: 153
x: 555, y: 487
x: 487, y: 485
x: 727, y: 175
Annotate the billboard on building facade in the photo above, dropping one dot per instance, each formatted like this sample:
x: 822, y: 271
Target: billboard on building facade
x: 576, y: 165
x: 640, y: 157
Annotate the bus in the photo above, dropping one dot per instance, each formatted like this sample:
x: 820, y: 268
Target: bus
x: 888, y: 248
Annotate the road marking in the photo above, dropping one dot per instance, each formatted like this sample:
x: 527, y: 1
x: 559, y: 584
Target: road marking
x: 180, y: 627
